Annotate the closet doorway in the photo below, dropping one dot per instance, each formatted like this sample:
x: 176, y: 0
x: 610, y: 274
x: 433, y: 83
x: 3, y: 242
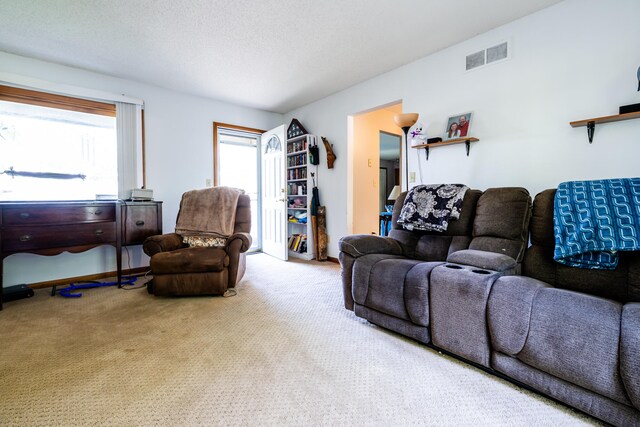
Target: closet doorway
x: 237, y: 160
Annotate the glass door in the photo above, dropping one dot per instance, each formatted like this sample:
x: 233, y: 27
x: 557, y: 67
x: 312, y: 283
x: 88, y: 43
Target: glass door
x: 238, y: 162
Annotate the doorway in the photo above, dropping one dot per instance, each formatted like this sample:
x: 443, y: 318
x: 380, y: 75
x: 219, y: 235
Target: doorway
x: 389, y: 182
x: 367, y: 166
x: 237, y: 163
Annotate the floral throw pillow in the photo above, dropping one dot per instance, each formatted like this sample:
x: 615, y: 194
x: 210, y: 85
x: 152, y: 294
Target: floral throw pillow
x: 204, y: 241
x: 431, y: 207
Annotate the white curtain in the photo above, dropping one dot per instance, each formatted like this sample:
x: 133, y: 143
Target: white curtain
x: 129, y: 130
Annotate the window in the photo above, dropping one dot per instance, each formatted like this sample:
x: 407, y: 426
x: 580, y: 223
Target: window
x: 55, y: 147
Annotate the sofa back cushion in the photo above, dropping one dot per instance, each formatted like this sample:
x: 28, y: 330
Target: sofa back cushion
x: 621, y: 284
x: 433, y: 245
x: 501, y: 223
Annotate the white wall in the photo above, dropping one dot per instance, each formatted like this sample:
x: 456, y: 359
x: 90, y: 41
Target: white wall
x: 572, y: 61
x: 179, y: 157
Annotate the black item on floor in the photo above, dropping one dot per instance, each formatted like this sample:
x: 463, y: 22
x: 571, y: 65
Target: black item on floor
x: 12, y: 293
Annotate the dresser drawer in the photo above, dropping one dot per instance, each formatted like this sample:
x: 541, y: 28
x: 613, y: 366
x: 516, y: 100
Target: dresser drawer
x: 57, y: 236
x: 28, y: 215
x: 140, y: 222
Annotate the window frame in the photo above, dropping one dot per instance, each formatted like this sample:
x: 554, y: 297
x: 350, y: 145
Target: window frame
x: 216, y: 160
x: 51, y: 100
x: 41, y: 98
x: 217, y: 127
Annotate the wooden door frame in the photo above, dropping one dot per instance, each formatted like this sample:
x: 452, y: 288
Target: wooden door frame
x: 217, y: 125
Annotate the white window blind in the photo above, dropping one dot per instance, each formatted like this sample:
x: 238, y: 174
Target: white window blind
x: 129, y: 131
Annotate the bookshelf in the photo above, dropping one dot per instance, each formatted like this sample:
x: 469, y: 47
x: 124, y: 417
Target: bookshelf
x: 299, y: 186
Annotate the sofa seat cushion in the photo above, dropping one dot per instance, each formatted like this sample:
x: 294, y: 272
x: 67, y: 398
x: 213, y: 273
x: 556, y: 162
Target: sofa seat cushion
x: 393, y: 285
x: 595, y: 404
x: 569, y: 335
x: 189, y: 260
x: 482, y: 259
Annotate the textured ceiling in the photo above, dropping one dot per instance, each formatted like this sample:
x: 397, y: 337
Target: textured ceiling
x: 275, y: 55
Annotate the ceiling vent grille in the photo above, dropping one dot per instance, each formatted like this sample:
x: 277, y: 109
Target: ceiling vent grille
x: 499, y: 52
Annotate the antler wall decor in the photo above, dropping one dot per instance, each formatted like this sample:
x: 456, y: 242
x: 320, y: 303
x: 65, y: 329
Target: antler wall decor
x: 331, y: 156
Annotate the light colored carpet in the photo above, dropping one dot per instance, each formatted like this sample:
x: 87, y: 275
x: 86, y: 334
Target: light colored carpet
x: 283, y: 351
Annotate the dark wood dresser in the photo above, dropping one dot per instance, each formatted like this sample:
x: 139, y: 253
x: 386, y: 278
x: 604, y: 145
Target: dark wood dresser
x: 50, y: 228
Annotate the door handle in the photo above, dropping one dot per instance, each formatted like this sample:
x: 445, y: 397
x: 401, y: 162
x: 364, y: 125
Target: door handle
x: 139, y: 223
x: 25, y: 238
x: 98, y: 212
x: 99, y: 232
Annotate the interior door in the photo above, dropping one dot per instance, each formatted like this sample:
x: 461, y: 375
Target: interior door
x: 274, y: 196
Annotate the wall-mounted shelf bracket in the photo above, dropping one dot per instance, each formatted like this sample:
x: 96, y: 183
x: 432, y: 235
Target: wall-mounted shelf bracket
x: 467, y: 142
x: 591, y: 127
x: 591, y: 123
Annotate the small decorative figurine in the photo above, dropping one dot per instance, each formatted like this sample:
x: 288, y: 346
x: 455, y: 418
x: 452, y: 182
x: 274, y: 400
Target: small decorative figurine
x: 331, y: 157
x: 418, y: 136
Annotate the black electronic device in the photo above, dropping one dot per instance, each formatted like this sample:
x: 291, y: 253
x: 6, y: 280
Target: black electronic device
x: 632, y: 108
x: 434, y: 140
x: 314, y: 154
x: 12, y: 293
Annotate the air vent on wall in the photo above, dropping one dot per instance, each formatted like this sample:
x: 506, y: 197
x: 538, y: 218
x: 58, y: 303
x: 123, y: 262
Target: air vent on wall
x: 487, y: 56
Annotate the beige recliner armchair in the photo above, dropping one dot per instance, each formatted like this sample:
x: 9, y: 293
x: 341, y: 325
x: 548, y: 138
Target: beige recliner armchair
x: 206, y: 255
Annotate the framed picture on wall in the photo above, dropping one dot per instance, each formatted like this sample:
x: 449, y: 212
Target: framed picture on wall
x: 458, y: 126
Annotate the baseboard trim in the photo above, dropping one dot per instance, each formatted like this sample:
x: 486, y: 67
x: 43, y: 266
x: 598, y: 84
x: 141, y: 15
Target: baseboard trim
x: 98, y: 276
x: 332, y: 259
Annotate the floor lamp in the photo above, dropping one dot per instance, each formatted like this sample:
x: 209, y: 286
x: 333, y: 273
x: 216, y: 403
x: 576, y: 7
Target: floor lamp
x: 405, y: 121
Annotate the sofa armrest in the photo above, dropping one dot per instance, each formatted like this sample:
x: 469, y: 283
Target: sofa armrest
x: 162, y: 243
x: 244, y: 238
x: 363, y: 244
x: 483, y: 259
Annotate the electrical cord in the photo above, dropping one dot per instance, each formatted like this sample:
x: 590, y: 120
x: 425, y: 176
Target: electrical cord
x: 230, y: 293
x: 420, y: 170
x: 66, y: 292
x: 129, y: 286
x: 126, y: 282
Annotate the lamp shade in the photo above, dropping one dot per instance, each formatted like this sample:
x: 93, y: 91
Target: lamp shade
x: 406, y: 119
x: 395, y: 192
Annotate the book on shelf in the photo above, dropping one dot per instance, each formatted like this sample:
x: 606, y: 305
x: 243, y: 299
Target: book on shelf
x: 298, y: 243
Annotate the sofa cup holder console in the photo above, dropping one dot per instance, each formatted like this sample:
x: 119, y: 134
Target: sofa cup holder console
x: 458, y: 301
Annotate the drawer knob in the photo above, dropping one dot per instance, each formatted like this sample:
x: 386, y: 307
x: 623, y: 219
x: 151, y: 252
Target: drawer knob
x: 25, y: 238
x: 139, y: 223
x: 24, y: 215
x: 99, y: 232
x: 98, y: 212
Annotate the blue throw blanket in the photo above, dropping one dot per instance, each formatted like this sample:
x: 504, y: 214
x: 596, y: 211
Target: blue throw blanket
x: 431, y: 207
x: 595, y: 219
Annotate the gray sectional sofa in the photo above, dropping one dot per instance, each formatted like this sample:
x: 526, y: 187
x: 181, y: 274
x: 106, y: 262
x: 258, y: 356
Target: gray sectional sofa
x: 480, y: 292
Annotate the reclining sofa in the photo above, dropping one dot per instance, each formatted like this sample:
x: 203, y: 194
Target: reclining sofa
x: 479, y: 293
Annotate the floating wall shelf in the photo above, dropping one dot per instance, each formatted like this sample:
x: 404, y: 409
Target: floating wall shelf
x: 466, y: 140
x: 591, y: 123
